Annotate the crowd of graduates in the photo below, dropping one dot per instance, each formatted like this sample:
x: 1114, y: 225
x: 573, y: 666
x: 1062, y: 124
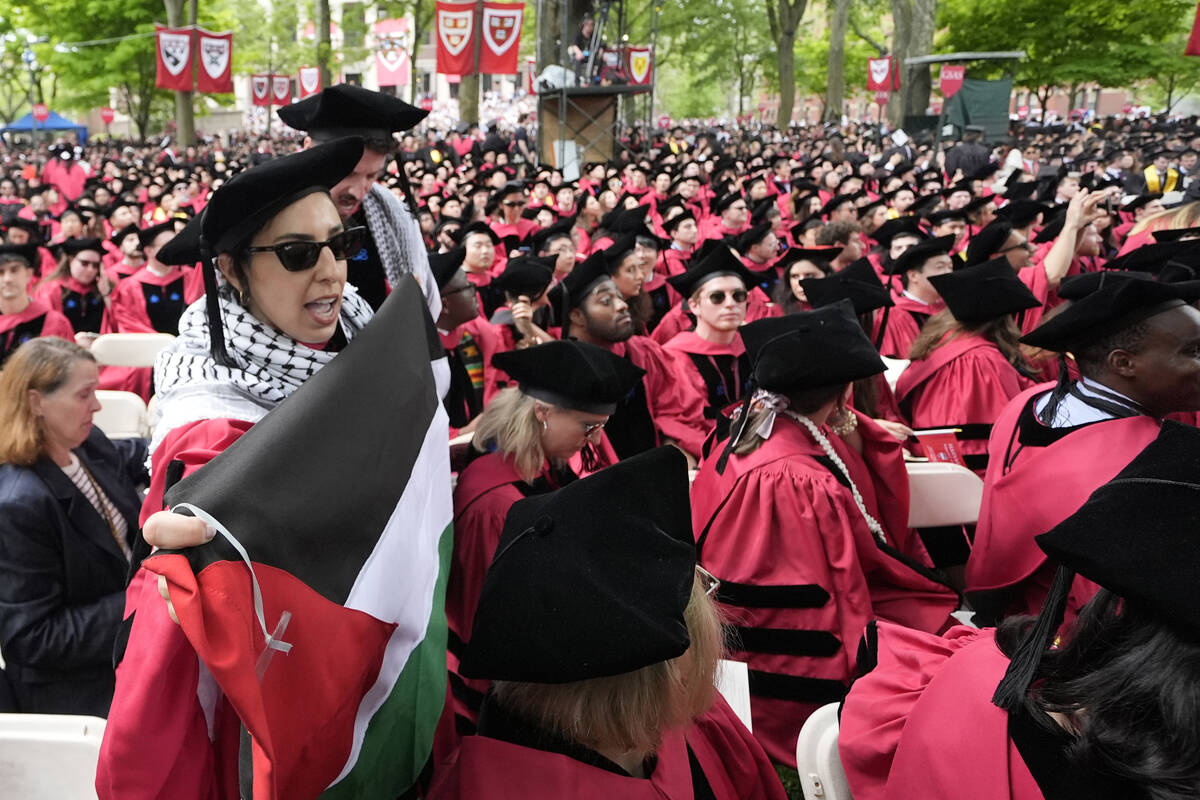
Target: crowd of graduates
x: 714, y: 306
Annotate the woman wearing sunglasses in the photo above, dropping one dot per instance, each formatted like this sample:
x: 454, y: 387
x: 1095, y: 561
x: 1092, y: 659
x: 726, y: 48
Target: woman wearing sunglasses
x: 282, y: 311
x: 79, y: 288
x: 716, y: 290
x: 565, y: 392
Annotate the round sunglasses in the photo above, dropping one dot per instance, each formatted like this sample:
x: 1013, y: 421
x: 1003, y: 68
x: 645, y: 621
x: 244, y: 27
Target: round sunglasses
x: 301, y: 256
x: 718, y: 297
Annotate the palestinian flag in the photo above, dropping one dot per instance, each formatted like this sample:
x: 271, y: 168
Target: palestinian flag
x: 340, y: 498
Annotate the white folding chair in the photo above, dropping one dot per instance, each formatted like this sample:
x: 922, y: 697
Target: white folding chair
x: 942, y: 494
x: 895, y: 366
x: 122, y: 415
x: 49, y: 756
x: 817, y: 758
x: 129, y: 349
x: 733, y: 682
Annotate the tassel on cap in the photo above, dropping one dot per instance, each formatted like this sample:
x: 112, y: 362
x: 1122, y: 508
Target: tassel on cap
x: 1010, y: 692
x: 212, y: 305
x: 1059, y: 392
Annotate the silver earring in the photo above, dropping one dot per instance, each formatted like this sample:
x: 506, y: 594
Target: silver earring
x: 544, y: 425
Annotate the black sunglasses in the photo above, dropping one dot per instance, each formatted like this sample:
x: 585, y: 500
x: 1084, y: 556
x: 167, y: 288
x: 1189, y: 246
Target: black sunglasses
x: 718, y: 297
x: 299, y: 256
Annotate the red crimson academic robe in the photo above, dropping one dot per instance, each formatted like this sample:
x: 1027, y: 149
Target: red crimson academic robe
x: 676, y: 261
x: 1031, y: 487
x: 713, y: 228
x: 38, y: 319
x: 801, y: 574
x: 721, y: 372
x: 733, y: 765
x: 921, y: 311
x: 680, y: 319
x: 900, y: 331
x: 676, y: 406
x: 922, y: 724
x: 120, y: 269
x: 964, y: 381
x: 130, y: 310
x: 483, y: 335
x: 157, y: 742
x: 522, y: 228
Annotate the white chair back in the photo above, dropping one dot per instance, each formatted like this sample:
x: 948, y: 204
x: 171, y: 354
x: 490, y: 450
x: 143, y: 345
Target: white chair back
x: 733, y: 682
x: 817, y: 758
x: 49, y: 756
x: 895, y: 366
x: 122, y: 415
x: 129, y: 349
x: 942, y: 494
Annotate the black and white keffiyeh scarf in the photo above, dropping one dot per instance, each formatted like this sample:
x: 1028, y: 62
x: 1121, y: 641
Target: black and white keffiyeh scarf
x: 270, y: 365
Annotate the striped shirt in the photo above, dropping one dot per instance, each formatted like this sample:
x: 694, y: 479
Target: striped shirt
x: 99, y: 500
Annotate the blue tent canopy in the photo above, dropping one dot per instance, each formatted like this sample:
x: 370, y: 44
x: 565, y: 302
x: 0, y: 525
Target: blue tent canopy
x: 54, y: 123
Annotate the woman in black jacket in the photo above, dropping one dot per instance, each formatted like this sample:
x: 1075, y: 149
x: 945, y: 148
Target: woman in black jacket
x: 68, y: 518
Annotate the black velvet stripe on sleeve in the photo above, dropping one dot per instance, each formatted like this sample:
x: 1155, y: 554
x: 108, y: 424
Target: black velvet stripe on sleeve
x: 776, y: 686
x: 804, y: 595
x: 781, y: 641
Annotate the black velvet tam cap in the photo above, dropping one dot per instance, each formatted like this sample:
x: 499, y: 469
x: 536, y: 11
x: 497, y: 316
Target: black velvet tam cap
x: 26, y: 253
x: 857, y: 283
x: 894, y: 227
x: 1111, y: 307
x: 988, y: 241
x: 592, y: 580
x: 753, y: 236
x: 351, y: 110
x: 251, y: 198
x: 543, y: 237
x: 916, y: 256
x: 1136, y: 535
x: 674, y: 222
x: 836, y: 202
x: 1023, y: 212
x: 719, y: 261
x: 1079, y: 286
x: 119, y: 236
x: 528, y: 275
x: 74, y: 247
x: 184, y: 248
x: 571, y: 374
x: 446, y: 265
x: 478, y: 226
x: 582, y: 278
x: 146, y: 236
x: 1153, y: 257
x: 984, y: 292
x: 725, y: 201
x: 810, y: 349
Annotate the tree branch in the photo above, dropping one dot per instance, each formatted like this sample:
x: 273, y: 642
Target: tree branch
x: 860, y: 33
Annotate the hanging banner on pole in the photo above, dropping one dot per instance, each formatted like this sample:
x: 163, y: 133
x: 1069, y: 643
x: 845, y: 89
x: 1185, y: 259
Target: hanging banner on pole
x: 882, y: 75
x: 392, y: 65
x: 216, y: 63
x: 455, y: 38
x: 308, y: 81
x: 951, y: 79
x: 1193, y: 42
x: 640, y: 65
x: 501, y: 38
x: 530, y: 74
x: 174, y: 68
x: 281, y: 90
x: 260, y: 90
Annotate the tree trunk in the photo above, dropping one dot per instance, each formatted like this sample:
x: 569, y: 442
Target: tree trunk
x: 185, y: 120
x: 920, y: 43
x: 902, y: 18
x: 783, y: 17
x: 324, y: 47
x: 468, y: 98
x: 835, y: 89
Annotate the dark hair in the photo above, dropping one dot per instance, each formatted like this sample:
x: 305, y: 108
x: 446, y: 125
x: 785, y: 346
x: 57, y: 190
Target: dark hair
x: 1001, y: 331
x: 1092, y: 356
x: 1131, y: 680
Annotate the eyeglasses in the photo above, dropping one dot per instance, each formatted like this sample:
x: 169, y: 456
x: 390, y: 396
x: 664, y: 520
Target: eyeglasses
x: 709, y: 582
x: 300, y: 256
x: 718, y: 297
x: 1028, y: 247
x: 470, y: 288
x: 590, y: 428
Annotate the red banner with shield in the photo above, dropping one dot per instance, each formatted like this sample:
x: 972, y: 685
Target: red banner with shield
x: 260, y: 90
x: 951, y: 79
x: 640, y: 65
x: 215, y: 51
x: 308, y: 81
x: 174, y: 55
x: 882, y: 75
x: 392, y: 64
x: 455, y: 38
x: 501, y: 44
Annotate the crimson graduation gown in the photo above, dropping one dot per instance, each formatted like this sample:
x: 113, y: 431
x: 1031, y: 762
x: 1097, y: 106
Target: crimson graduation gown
x: 665, y: 405
x: 715, y: 757
x: 1038, y: 476
x: 38, y: 319
x: 149, y: 303
x: 802, y: 575
x: 720, y: 371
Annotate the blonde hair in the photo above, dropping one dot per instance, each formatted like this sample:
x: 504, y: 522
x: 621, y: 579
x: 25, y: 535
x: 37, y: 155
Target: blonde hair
x: 43, y: 364
x: 509, y: 423
x: 1185, y: 216
x: 631, y: 711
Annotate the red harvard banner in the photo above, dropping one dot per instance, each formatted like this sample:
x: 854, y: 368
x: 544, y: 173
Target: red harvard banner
x: 281, y: 89
x: 640, y: 66
x: 260, y: 90
x: 882, y: 74
x: 1193, y: 43
x: 308, y: 81
x: 216, y: 63
x: 501, y: 38
x: 391, y: 52
x: 941, y: 445
x: 951, y: 79
x: 455, y: 38
x: 174, y: 48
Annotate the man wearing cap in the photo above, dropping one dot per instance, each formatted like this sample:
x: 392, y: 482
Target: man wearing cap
x: 21, y: 317
x: 969, y: 156
x: 23, y: 231
x: 1160, y: 176
x: 128, y: 258
x: 152, y: 299
x: 665, y: 407
x: 1135, y: 344
x: 730, y: 218
x: 684, y: 234
x: 469, y: 340
x: 395, y: 246
x: 916, y: 295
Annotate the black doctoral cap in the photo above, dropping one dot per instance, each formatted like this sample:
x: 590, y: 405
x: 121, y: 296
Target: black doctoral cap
x: 725, y: 201
x: 836, y: 202
x: 526, y: 275
x: 478, y: 226
x: 1021, y: 191
x: 944, y: 216
x: 184, y: 248
x: 559, y: 229
x: 571, y: 374
x: 988, y: 241
x: 1148, y: 559
x: 753, y: 236
x: 615, y: 253
x: 821, y: 256
x: 1079, y: 286
x: 446, y: 265
x: 612, y: 563
x: 579, y: 282
x: 857, y: 283
x: 146, y: 236
x: 119, y: 237
x: 717, y: 262
x: 250, y: 199
x: 1111, y: 307
x: 894, y: 227
x: 674, y: 222
x: 916, y: 256
x: 1023, y: 212
x: 810, y: 349
x: 1177, y: 234
x: 984, y: 292
x: 348, y: 110
x: 74, y: 247
x: 25, y: 253
x: 1153, y: 257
